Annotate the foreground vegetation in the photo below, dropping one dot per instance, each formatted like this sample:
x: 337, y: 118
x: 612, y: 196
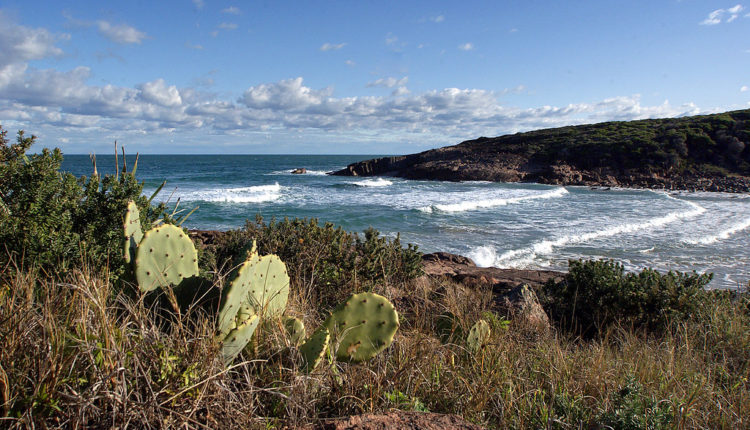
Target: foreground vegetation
x: 83, y: 348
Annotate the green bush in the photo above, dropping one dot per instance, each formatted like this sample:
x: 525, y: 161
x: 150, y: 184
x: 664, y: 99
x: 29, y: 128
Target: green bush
x: 598, y: 293
x: 326, y: 261
x: 54, y: 221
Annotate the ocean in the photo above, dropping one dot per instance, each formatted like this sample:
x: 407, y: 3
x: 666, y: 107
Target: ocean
x: 496, y: 224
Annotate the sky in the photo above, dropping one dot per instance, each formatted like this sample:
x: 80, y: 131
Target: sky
x: 356, y: 77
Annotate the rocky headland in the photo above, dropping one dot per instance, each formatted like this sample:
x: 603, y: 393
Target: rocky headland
x: 701, y: 153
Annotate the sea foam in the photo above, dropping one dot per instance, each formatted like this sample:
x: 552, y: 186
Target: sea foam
x: 254, y: 194
x: 470, y: 205
x: 722, y: 235
x: 523, y: 256
x: 379, y: 182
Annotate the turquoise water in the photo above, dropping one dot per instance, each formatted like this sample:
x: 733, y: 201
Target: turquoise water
x: 502, y: 225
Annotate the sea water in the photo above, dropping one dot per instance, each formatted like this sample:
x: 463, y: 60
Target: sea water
x: 496, y: 224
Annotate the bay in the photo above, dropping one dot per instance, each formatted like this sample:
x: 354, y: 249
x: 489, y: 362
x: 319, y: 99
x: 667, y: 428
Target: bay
x: 496, y: 224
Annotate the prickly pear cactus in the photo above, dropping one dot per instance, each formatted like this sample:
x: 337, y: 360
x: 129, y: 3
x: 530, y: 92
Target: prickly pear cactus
x: 235, y: 307
x: 133, y: 231
x: 269, y: 287
x: 314, y: 349
x: 165, y: 256
x: 295, y: 328
x: 362, y: 326
x: 237, y: 338
x: 478, y: 336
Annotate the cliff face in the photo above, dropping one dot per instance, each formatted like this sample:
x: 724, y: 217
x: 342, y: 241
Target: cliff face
x: 710, y: 153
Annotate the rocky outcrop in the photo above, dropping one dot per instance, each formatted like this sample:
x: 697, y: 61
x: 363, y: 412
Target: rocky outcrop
x: 512, y: 289
x: 703, y: 153
x: 299, y: 171
x: 463, y: 270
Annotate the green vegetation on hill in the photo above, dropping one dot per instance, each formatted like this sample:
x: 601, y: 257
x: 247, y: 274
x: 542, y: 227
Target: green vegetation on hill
x: 707, y: 144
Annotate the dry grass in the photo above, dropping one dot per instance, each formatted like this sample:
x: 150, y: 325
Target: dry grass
x: 77, y: 353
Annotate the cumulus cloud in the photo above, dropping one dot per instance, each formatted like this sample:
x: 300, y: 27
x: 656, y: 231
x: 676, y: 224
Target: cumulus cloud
x: 744, y: 88
x: 388, y: 82
x: 120, y: 33
x: 68, y: 100
x: 159, y: 93
x: 20, y: 44
x: 331, y: 46
x: 723, y: 15
x: 466, y: 47
x: 232, y: 10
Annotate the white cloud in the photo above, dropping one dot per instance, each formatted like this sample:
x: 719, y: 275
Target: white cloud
x: 159, y: 93
x: 228, y: 26
x: 437, y: 19
x: 331, y: 46
x: 20, y: 44
x: 716, y: 16
x: 350, y: 63
x: 67, y: 100
x: 232, y: 10
x: 389, y: 82
x: 390, y: 39
x: 744, y: 88
x: 199, y: 4
x: 120, y: 33
x: 466, y: 47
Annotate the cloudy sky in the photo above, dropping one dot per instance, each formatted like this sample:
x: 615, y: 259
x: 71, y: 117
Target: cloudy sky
x: 357, y: 77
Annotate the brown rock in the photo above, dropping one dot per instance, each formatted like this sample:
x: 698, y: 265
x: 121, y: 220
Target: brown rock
x: 299, y: 171
x: 522, y: 305
x: 399, y: 420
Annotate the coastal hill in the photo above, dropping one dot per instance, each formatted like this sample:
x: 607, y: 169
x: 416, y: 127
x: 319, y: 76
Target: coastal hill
x: 706, y: 152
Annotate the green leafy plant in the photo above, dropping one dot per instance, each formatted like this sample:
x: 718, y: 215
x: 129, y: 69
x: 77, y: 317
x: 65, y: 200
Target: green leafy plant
x: 597, y: 293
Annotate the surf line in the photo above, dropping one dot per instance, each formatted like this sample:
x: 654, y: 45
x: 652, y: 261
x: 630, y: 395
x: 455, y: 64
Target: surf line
x: 527, y: 254
x: 723, y: 235
x: 489, y: 203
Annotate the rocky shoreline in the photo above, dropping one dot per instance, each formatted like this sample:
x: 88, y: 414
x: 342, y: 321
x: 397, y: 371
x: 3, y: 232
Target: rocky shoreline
x: 457, y: 163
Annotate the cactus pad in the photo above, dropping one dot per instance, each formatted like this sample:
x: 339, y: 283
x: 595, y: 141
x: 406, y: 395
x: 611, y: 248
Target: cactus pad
x: 133, y: 231
x: 314, y: 349
x: 362, y: 326
x: 236, y: 340
x: 295, y: 328
x: 235, y: 308
x: 164, y: 257
x: 478, y: 335
x: 269, y: 288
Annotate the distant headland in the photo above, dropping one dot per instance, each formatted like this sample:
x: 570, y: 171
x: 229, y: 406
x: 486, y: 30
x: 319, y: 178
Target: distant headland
x: 698, y: 153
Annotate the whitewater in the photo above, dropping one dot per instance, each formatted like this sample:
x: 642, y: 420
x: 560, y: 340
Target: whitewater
x: 503, y: 225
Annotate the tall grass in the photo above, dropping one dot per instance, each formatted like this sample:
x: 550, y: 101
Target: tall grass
x: 79, y: 353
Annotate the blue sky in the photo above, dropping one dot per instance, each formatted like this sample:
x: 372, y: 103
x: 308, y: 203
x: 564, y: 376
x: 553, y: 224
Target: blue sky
x: 375, y: 77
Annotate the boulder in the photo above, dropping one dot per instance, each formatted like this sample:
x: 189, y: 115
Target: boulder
x: 299, y: 171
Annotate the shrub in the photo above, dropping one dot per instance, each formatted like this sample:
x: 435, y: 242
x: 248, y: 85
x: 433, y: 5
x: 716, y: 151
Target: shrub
x: 53, y: 220
x: 327, y: 262
x: 597, y: 293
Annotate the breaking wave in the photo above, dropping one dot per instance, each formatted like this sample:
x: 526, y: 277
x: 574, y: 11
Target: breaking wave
x: 523, y: 256
x: 254, y: 194
x: 470, y: 205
